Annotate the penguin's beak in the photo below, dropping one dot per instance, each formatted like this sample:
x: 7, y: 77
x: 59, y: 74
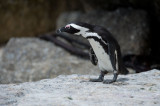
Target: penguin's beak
x: 63, y: 29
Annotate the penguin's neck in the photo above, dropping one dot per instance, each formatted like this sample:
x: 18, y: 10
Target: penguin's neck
x: 95, y: 36
x: 90, y: 34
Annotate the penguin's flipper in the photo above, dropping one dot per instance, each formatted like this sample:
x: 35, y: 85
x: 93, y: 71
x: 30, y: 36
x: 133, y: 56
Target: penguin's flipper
x: 93, y: 57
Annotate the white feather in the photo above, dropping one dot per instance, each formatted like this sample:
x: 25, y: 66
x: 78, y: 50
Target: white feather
x: 82, y: 29
x: 103, y: 58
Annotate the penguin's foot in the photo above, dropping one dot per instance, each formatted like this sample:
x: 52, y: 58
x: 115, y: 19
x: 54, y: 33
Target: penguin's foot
x: 111, y: 81
x: 108, y: 81
x: 96, y: 80
x: 100, y: 78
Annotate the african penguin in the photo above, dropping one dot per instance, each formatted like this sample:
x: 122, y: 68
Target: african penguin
x: 105, y: 50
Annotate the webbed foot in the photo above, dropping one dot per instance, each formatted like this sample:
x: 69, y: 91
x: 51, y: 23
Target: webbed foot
x: 108, y: 81
x: 101, y: 77
x: 111, y: 81
x: 96, y: 80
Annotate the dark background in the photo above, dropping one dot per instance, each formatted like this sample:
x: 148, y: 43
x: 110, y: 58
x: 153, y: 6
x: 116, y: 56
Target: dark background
x: 31, y: 18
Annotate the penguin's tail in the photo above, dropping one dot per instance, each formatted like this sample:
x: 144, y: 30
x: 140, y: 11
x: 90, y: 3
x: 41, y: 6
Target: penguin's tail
x: 123, y: 70
x: 131, y: 71
x: 126, y: 71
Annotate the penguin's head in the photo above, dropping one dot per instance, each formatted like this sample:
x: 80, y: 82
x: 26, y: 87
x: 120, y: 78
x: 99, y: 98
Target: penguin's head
x: 77, y: 28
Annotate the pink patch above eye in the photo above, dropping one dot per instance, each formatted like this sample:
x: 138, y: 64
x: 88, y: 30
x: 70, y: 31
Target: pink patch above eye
x: 67, y: 26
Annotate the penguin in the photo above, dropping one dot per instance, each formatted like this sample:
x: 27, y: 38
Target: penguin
x: 104, y: 52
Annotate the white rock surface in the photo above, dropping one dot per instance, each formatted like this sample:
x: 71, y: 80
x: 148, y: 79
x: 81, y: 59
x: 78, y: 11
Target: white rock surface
x: 74, y: 90
x: 32, y: 59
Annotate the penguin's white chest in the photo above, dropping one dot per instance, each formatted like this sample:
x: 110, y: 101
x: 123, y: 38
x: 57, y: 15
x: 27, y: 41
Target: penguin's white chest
x: 103, y: 58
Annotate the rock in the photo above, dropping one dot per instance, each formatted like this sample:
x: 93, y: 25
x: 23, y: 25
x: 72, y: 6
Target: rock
x: 130, y: 27
x: 130, y: 90
x: 28, y: 18
x: 31, y: 59
x: 1, y: 50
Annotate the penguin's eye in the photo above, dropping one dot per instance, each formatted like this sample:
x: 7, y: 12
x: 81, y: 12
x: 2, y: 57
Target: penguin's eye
x: 67, y: 26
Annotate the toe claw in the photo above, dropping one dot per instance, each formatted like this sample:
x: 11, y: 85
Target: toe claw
x: 108, y: 81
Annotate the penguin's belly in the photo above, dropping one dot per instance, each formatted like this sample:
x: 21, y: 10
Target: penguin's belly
x: 103, y: 58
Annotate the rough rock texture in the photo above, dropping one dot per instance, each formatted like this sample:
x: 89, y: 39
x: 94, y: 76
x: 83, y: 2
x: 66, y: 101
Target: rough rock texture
x: 31, y: 59
x: 132, y: 90
x: 130, y: 27
x: 28, y: 18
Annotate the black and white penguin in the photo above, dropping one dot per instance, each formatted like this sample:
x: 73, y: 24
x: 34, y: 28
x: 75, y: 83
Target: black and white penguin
x: 105, y: 50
